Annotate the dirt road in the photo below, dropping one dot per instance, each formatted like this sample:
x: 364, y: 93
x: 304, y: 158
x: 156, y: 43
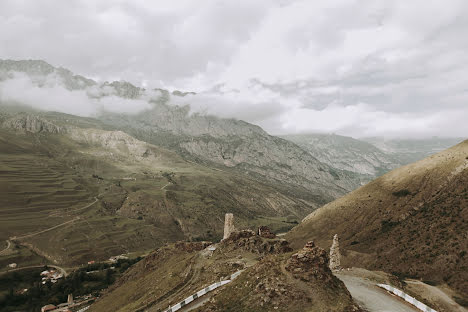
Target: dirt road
x: 62, y: 270
x: 6, y: 248
x: 46, y: 230
x: 372, y: 298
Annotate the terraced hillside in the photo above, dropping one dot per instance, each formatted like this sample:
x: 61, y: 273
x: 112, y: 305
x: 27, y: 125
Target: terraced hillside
x: 412, y: 221
x: 74, y: 190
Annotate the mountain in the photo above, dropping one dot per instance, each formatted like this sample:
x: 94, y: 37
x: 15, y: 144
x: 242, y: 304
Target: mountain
x: 346, y: 153
x: 407, y: 151
x: 74, y: 190
x: 412, y: 221
x: 227, y: 144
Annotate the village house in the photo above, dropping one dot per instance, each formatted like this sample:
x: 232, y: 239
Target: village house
x: 50, y: 275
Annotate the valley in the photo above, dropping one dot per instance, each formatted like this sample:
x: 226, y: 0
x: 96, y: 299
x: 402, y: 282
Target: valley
x: 91, y: 193
x: 79, y: 191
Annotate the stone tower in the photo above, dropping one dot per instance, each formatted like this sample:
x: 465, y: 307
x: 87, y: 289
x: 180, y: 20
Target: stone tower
x: 228, y: 225
x: 335, y: 255
x: 70, y: 299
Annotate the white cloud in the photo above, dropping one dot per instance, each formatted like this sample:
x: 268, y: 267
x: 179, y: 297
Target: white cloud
x: 53, y: 96
x: 286, y: 65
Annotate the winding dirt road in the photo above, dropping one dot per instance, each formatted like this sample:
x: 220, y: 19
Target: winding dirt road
x: 46, y: 230
x: 62, y: 270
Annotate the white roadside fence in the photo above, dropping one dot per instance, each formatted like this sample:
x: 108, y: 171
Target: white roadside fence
x: 421, y: 306
x: 202, y: 292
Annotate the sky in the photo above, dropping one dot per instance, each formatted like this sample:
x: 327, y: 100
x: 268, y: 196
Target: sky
x: 359, y: 68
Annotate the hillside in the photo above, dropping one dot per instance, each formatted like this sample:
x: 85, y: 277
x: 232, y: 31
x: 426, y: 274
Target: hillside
x: 271, y: 278
x: 411, y: 221
x: 75, y: 190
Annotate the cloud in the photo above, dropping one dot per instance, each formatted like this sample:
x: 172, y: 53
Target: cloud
x: 382, y: 67
x: 53, y: 96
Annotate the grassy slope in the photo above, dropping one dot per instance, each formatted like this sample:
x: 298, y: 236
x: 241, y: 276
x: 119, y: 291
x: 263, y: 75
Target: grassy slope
x: 412, y: 221
x: 146, y: 195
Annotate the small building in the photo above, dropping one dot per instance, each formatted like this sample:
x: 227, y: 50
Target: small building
x: 12, y: 265
x: 91, y: 262
x: 114, y: 259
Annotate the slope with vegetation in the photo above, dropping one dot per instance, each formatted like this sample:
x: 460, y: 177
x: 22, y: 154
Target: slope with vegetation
x: 76, y: 190
x: 412, y: 221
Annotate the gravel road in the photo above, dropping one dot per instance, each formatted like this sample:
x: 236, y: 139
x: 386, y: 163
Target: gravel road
x: 372, y: 298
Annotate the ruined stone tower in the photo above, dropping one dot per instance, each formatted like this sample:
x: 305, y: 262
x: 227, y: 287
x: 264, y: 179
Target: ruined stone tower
x: 70, y: 299
x: 228, y: 225
x: 335, y: 255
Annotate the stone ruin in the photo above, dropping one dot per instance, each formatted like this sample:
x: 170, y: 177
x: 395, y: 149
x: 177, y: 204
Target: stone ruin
x: 265, y: 232
x: 335, y: 255
x: 248, y: 240
x: 228, y: 225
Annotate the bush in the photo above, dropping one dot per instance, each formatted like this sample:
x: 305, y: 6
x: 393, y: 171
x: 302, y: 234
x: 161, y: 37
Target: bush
x: 461, y: 301
x: 401, y: 193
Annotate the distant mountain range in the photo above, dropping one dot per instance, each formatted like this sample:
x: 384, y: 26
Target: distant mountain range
x: 370, y: 157
x: 304, y: 171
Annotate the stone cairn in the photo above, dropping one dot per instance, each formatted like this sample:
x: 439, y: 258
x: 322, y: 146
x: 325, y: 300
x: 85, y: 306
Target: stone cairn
x: 310, y: 263
x: 335, y: 255
x: 228, y: 225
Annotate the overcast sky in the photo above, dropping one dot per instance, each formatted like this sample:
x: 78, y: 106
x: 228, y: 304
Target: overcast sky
x: 359, y: 68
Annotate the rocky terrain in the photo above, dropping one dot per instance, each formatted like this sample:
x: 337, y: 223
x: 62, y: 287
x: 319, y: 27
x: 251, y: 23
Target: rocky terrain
x: 271, y: 279
x: 411, y: 221
x: 346, y: 153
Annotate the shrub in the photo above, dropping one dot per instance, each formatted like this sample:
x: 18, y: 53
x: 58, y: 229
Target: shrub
x: 401, y: 193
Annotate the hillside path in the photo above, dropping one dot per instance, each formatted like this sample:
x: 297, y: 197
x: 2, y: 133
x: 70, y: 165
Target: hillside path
x: 62, y: 270
x: 372, y: 298
x: 6, y: 248
x: 46, y: 230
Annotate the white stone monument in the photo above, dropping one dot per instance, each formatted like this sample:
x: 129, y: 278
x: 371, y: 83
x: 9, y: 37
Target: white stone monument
x: 335, y: 255
x: 228, y: 225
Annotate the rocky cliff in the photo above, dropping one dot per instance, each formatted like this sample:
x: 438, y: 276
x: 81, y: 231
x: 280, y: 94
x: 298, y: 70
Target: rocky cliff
x: 346, y: 153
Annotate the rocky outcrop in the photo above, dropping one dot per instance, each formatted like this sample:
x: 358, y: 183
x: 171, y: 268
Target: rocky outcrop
x: 117, y: 141
x: 268, y: 286
x: 247, y: 240
x: 310, y: 263
x: 335, y: 256
x: 31, y: 123
x: 191, y: 246
x: 265, y: 232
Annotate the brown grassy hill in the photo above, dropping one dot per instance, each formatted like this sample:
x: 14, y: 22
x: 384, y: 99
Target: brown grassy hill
x: 73, y: 191
x: 413, y: 221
